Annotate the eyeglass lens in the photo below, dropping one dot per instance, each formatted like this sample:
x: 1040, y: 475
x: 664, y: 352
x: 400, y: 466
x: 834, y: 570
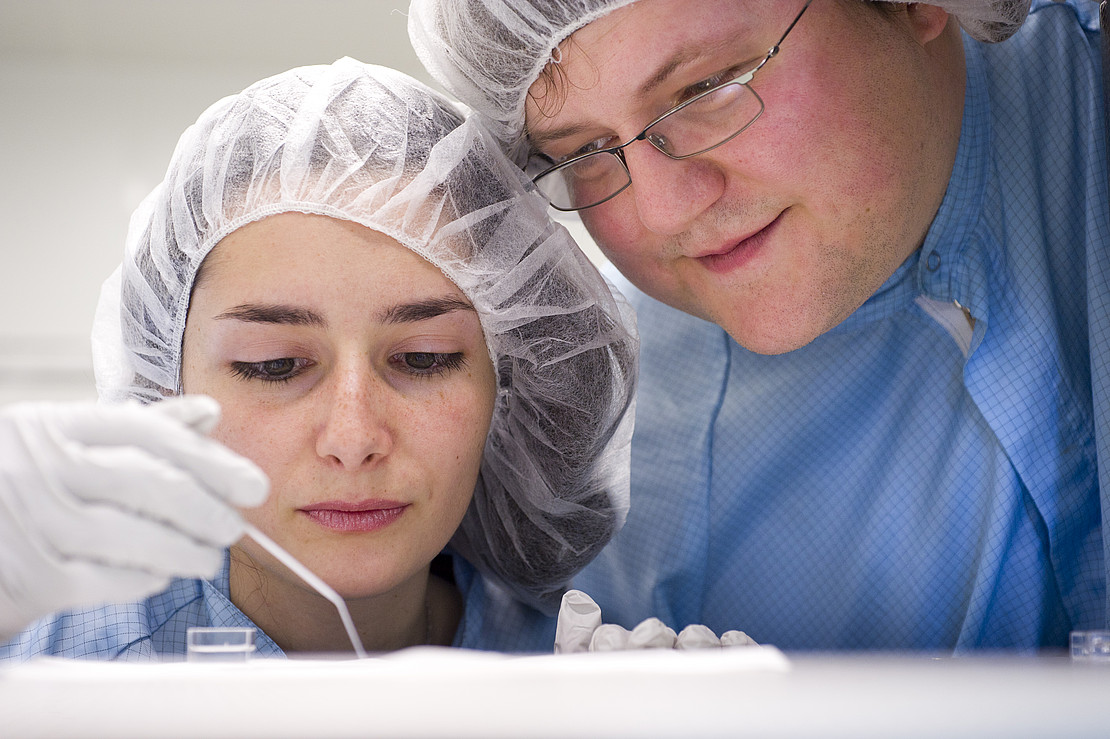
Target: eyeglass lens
x: 702, y: 124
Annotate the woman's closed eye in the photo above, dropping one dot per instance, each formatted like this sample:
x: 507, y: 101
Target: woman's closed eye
x: 425, y: 364
x: 271, y: 370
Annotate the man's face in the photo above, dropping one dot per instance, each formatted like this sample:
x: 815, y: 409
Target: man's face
x: 781, y: 233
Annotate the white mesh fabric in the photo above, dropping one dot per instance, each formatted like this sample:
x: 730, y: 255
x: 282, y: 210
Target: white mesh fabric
x: 489, y: 52
x: 369, y: 145
x: 986, y: 20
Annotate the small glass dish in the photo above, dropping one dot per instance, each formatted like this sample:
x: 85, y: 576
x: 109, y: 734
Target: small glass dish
x: 1090, y: 646
x: 215, y: 644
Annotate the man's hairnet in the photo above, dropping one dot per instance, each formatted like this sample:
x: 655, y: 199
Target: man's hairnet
x: 369, y: 145
x: 489, y: 52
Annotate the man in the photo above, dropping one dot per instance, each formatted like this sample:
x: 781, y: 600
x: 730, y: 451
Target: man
x: 868, y: 253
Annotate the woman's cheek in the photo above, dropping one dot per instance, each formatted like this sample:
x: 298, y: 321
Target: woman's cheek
x: 253, y: 435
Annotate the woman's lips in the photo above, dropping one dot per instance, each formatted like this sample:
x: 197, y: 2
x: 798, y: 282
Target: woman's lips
x: 363, y: 516
x: 739, y: 253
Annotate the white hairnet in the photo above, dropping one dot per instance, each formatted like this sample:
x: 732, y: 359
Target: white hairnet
x: 489, y: 52
x: 369, y: 145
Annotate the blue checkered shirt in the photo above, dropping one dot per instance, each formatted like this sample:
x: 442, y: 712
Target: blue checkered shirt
x: 155, y: 628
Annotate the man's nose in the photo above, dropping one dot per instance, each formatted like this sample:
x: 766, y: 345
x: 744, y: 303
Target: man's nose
x: 670, y: 194
x: 358, y: 426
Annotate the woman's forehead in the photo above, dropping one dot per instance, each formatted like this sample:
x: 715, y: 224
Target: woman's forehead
x: 320, y: 255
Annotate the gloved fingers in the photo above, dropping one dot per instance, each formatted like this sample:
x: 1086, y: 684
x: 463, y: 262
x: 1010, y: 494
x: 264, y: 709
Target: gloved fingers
x: 579, y: 616
x: 39, y: 534
x: 737, y: 639
x: 108, y: 512
x: 651, y: 633
x: 696, y: 636
x: 113, y: 538
x: 145, y: 486
x: 609, y: 638
x: 580, y: 628
x: 62, y: 554
x: 90, y: 583
x: 199, y: 412
x: 73, y: 584
x: 117, y: 539
x: 171, y: 434
x: 84, y: 584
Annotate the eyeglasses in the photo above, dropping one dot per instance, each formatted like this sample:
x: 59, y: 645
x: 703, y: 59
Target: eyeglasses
x: 695, y: 126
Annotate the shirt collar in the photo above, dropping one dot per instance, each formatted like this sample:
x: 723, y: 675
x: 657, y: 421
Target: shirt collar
x: 951, y: 264
x: 222, y: 612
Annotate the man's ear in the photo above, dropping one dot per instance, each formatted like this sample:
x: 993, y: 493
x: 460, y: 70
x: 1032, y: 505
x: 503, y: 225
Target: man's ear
x: 926, y: 21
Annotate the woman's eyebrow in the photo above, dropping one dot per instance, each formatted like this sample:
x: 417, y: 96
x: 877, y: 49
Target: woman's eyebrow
x: 283, y: 314
x: 422, y: 310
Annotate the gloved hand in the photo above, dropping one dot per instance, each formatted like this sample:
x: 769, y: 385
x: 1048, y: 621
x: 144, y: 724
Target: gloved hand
x: 580, y: 629
x: 108, y: 503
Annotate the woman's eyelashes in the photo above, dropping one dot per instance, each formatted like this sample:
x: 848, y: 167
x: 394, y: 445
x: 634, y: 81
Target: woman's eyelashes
x: 426, y: 364
x: 271, y: 370
x: 284, y: 369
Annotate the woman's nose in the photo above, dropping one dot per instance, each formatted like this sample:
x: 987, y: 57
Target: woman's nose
x: 670, y: 194
x: 358, y: 428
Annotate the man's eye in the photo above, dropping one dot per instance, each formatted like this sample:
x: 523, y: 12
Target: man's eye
x: 541, y: 161
x: 716, y: 80
x: 705, y: 85
x: 270, y: 370
x: 590, y: 148
x: 538, y: 162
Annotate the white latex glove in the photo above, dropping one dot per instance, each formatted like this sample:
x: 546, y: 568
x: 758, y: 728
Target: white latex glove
x: 108, y: 503
x: 580, y: 629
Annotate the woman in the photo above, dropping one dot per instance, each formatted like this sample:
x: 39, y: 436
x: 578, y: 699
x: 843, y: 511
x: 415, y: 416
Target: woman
x: 399, y: 337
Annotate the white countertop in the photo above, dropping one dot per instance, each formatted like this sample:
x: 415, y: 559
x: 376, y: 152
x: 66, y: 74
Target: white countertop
x: 432, y: 692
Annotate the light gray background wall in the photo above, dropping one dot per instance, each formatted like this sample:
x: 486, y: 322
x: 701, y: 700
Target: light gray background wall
x: 93, y: 95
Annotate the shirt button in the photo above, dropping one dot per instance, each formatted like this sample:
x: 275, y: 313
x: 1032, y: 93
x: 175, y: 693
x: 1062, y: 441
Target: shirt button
x: 933, y: 262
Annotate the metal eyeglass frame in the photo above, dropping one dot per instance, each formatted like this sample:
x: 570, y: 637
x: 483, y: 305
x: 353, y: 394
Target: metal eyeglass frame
x: 618, y: 150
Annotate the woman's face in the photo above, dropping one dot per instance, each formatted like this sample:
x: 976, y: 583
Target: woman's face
x: 357, y: 376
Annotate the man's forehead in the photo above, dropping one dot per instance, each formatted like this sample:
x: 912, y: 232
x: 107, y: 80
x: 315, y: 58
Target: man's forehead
x: 684, y: 56
x: 685, y: 19
x: 663, y: 36
x: 647, y: 44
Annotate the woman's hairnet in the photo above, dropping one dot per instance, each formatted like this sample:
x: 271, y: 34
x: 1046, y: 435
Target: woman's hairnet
x: 489, y: 52
x: 370, y: 145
